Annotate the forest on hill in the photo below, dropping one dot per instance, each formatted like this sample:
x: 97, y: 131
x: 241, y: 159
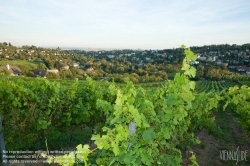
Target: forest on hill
x: 139, y: 65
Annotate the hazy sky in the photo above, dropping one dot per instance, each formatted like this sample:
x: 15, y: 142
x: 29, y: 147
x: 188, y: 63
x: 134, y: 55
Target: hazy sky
x: 145, y: 24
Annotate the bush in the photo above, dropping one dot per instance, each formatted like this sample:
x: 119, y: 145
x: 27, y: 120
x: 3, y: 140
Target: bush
x: 52, y: 75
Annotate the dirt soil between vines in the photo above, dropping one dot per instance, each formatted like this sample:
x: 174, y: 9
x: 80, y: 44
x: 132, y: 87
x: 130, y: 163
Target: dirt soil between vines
x: 228, y: 137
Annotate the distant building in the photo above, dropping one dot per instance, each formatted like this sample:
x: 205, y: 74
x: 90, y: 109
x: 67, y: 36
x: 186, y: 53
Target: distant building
x: 53, y: 71
x: 225, y: 64
x: 110, y: 56
x: 218, y: 63
x: 90, y: 70
x: 202, y: 58
x: 76, y: 65
x: 242, y: 68
x: 141, y: 64
x: 210, y: 58
x: 66, y: 67
x: 42, y: 73
x: 11, y: 70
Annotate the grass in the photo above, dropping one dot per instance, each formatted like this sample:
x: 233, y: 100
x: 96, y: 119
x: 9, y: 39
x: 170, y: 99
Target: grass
x: 20, y: 62
x: 222, y: 131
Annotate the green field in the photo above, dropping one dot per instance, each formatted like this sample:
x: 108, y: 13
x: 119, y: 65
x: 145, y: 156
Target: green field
x: 20, y: 63
x: 201, y: 86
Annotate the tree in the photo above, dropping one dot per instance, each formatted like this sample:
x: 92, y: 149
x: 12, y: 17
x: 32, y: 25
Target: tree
x: 41, y: 66
x: 200, y: 72
x: 52, y: 75
x: 66, y: 74
x: 58, y: 65
x: 74, y: 71
x: 26, y: 69
x: 120, y: 69
x: 22, y: 56
x: 49, y: 63
x: 3, y: 72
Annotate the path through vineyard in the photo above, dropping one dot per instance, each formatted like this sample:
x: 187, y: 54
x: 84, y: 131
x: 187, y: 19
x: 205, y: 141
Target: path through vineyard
x: 227, y: 136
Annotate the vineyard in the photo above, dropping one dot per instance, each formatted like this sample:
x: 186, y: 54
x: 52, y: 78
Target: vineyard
x: 207, y: 86
x: 145, y: 124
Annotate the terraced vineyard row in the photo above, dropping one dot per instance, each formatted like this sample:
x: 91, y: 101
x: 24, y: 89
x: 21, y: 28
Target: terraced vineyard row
x: 247, y: 83
x: 207, y: 86
x: 237, y: 77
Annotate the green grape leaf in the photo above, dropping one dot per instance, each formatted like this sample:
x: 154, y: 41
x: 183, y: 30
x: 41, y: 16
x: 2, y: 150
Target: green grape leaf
x: 146, y: 158
x: 191, y: 72
x: 148, y: 135
x: 190, y: 55
x: 170, y: 100
x: 144, y: 121
x: 82, y: 153
x: 167, y: 117
x: 101, y: 142
x: 192, y: 85
x: 115, y: 147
